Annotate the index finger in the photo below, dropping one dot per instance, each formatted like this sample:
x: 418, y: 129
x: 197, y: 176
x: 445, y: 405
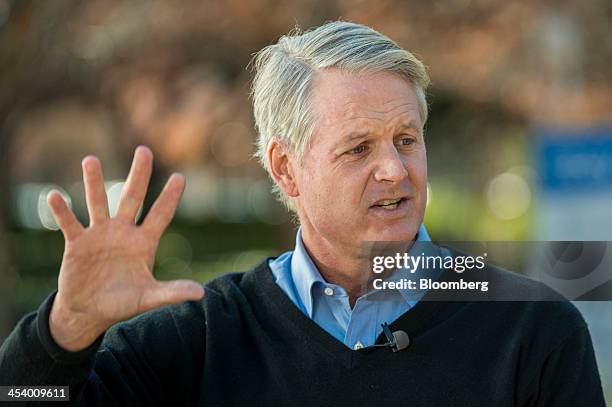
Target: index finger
x: 162, y: 211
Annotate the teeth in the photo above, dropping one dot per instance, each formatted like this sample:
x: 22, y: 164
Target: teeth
x: 389, y: 204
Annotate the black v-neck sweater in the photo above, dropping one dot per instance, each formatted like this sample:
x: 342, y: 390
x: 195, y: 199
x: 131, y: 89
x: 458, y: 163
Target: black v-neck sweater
x: 246, y: 343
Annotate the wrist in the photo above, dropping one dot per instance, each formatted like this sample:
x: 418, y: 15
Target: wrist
x: 71, y: 331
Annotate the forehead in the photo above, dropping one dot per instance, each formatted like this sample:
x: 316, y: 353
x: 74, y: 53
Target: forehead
x: 373, y: 98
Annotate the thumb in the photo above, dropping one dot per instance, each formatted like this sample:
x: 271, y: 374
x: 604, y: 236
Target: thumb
x: 171, y: 292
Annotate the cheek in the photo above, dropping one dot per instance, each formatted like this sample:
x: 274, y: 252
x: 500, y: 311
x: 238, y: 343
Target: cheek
x: 316, y: 189
x: 332, y: 194
x: 351, y: 186
x: 417, y: 170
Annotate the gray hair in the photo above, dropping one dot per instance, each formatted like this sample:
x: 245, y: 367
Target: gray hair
x: 284, y: 72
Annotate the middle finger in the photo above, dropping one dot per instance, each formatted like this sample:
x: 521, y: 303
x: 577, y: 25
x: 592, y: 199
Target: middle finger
x: 135, y: 187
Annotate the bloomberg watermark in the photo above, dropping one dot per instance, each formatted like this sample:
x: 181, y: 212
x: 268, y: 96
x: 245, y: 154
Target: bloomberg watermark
x: 491, y: 271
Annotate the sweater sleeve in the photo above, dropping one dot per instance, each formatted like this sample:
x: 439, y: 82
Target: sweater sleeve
x: 155, y: 357
x: 569, y: 375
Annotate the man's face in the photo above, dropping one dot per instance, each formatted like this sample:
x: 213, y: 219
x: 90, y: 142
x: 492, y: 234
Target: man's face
x: 364, y: 174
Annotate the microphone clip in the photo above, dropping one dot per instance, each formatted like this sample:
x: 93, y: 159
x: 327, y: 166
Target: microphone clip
x: 397, y: 341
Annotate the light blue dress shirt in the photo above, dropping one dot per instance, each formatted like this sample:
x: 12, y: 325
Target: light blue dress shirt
x: 328, y: 304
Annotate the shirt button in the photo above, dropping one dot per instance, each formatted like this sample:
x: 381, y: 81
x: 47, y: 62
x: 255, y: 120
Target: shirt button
x: 329, y: 291
x: 358, y: 346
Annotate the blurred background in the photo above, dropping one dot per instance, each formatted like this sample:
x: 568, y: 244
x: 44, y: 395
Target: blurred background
x: 519, y: 137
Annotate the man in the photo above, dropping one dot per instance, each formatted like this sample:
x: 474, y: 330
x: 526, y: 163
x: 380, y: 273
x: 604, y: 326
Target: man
x: 340, y: 112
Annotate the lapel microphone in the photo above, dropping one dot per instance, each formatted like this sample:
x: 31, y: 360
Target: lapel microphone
x: 397, y: 341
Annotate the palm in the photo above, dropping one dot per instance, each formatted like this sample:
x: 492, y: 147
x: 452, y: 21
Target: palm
x: 106, y: 274
x: 118, y: 259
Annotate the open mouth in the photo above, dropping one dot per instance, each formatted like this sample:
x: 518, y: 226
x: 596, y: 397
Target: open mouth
x: 390, y: 204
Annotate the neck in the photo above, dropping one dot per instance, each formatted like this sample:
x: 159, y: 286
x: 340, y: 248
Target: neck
x: 346, y: 266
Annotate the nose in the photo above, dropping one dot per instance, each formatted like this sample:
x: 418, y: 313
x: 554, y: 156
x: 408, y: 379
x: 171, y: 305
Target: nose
x: 390, y: 166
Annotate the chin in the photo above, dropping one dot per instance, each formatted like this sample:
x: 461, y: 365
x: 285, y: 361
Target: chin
x: 393, y: 233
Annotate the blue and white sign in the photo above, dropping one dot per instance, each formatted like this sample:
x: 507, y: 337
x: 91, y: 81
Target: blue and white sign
x: 574, y: 168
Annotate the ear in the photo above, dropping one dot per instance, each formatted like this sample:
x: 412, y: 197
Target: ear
x: 281, y: 167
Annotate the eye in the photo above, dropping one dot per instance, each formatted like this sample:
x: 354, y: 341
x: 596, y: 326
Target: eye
x: 358, y: 150
x: 407, y: 141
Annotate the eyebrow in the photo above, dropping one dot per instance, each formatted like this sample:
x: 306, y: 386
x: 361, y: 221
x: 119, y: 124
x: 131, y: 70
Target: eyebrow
x: 355, y: 135
x: 409, y: 126
x: 350, y: 138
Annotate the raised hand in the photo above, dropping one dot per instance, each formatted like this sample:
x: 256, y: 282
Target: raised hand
x: 106, y: 273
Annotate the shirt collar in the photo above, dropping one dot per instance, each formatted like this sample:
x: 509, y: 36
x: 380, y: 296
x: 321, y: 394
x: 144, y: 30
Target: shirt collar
x: 305, y: 274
